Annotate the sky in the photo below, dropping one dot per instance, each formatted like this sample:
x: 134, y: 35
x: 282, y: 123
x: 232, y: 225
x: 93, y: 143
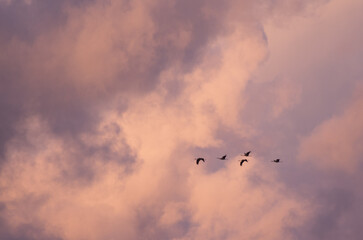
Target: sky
x: 104, y: 106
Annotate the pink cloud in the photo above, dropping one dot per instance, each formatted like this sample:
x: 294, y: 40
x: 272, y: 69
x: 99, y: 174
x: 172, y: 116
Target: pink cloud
x: 335, y: 143
x: 37, y: 191
x: 108, y: 109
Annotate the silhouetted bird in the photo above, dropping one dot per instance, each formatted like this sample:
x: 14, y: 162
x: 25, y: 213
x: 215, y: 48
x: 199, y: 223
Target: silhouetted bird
x: 199, y: 159
x: 276, y: 160
x: 247, y: 154
x: 242, y: 161
x: 223, y: 157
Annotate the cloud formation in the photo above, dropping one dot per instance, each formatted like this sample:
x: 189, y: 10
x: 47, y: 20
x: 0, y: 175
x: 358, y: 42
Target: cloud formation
x: 105, y: 105
x: 336, y: 142
x: 157, y: 199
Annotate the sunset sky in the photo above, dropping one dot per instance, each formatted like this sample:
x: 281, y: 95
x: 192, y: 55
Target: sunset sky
x: 105, y: 104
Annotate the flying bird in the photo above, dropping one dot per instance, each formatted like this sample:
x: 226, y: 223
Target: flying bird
x: 199, y: 159
x: 223, y: 157
x: 276, y: 160
x: 247, y: 154
x: 242, y: 161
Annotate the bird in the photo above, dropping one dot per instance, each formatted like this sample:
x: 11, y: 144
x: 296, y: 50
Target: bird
x: 276, y: 160
x: 246, y: 154
x: 199, y: 159
x: 242, y: 161
x: 223, y: 157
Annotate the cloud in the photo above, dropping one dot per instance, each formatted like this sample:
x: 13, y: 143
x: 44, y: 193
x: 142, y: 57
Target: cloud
x: 148, y: 201
x: 317, y: 56
x: 106, y: 105
x: 335, y: 144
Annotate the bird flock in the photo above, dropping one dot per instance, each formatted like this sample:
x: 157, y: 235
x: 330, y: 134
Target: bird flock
x: 224, y: 157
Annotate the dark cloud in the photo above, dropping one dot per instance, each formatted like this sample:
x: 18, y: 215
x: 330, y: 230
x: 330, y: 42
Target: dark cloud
x: 23, y: 231
x: 336, y: 215
x: 66, y: 105
x: 26, y: 21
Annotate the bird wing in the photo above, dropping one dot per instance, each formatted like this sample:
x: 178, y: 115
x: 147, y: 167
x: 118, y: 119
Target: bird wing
x: 200, y: 159
x: 242, y: 161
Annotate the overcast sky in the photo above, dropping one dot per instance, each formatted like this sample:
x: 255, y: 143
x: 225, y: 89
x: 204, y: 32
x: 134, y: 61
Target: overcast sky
x: 104, y: 106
